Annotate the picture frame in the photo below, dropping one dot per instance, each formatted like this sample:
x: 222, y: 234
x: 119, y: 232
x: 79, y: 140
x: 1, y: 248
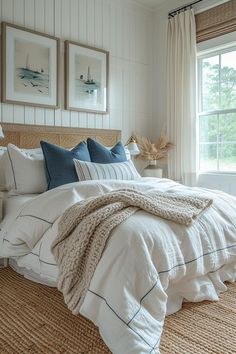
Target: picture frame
x: 30, y: 67
x: 86, y: 78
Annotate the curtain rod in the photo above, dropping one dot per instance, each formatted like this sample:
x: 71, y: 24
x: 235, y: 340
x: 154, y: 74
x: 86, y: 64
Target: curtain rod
x: 172, y: 13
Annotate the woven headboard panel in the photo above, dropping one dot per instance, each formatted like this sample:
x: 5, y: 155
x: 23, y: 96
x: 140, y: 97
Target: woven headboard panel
x: 29, y: 136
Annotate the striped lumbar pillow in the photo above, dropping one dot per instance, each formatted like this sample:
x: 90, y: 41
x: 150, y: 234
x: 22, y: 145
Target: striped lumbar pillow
x: 119, y: 170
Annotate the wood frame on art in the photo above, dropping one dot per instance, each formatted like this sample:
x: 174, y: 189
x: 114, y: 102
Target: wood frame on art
x: 30, y: 67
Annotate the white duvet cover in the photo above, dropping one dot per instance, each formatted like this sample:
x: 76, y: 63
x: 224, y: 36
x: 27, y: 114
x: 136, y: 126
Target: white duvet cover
x: 12, y: 203
x: 149, y: 267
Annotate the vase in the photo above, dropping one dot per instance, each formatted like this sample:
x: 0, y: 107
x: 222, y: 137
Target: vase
x: 152, y: 170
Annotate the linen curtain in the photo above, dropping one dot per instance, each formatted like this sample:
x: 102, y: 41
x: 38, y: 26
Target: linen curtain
x: 181, y: 96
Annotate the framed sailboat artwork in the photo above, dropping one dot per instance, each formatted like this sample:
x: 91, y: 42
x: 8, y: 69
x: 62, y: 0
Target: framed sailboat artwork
x: 87, y: 78
x: 30, y: 67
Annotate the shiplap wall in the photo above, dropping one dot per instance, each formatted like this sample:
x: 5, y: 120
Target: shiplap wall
x: 119, y: 26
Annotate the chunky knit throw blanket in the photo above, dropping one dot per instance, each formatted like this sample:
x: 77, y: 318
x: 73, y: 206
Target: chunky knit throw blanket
x: 86, y: 226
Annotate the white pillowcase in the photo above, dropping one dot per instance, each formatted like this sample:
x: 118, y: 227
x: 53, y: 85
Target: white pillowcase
x: 25, y: 171
x: 3, y: 150
x: 92, y: 171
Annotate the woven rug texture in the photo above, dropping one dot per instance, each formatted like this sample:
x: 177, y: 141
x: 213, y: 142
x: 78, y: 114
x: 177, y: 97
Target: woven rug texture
x: 35, y: 320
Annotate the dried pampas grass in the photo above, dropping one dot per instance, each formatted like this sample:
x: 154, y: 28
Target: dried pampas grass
x: 153, y: 151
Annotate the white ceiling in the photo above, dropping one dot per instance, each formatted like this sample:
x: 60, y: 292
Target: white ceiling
x: 150, y: 3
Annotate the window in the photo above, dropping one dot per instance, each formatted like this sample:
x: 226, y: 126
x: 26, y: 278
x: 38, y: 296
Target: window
x: 217, y: 110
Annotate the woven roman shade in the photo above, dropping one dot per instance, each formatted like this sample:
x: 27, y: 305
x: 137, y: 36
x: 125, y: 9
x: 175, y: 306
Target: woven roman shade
x: 216, y: 21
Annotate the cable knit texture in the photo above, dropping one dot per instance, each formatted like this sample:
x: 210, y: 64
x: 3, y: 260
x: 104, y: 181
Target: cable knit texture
x: 84, y: 230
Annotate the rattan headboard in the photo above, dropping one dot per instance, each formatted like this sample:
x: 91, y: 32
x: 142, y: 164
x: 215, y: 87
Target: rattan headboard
x: 29, y: 136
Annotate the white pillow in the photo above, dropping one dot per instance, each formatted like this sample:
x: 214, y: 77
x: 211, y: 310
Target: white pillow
x: 120, y: 170
x: 2, y: 174
x: 25, y: 171
x: 3, y: 149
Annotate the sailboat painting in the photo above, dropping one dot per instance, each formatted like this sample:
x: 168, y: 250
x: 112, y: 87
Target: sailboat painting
x: 31, y: 68
x: 88, y: 81
x: 86, y: 78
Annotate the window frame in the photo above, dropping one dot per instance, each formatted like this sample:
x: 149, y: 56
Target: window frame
x: 210, y: 52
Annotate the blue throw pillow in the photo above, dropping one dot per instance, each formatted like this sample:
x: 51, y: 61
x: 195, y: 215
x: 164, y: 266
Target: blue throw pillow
x: 59, y: 163
x: 100, y: 154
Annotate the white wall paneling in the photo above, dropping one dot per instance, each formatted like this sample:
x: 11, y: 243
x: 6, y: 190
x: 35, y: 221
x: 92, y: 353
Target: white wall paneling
x: 223, y: 181
x: 122, y: 28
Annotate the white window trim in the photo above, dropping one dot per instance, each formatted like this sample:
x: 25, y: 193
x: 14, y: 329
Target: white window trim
x: 218, y: 43
x: 213, y: 46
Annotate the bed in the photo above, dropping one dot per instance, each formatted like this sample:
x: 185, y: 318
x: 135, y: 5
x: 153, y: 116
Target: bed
x: 29, y: 137
x: 150, y: 265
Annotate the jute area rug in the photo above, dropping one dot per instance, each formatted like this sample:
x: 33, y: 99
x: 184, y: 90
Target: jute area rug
x: 35, y: 320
